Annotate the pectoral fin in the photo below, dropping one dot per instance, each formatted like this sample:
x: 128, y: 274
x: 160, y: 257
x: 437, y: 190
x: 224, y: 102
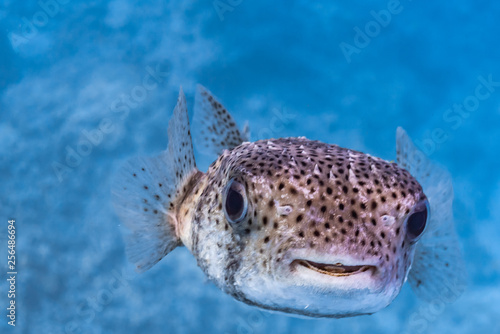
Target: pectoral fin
x: 438, y: 270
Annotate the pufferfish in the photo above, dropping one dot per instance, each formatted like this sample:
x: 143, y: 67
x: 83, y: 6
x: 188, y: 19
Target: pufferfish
x: 292, y: 224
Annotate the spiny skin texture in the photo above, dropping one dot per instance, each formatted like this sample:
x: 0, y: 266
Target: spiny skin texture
x: 306, y: 200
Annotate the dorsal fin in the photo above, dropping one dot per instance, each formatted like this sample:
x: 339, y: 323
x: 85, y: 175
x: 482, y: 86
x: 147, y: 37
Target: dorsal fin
x: 215, y: 128
x: 438, y: 270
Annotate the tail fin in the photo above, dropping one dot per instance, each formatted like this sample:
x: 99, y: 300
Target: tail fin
x: 438, y: 270
x: 215, y: 128
x: 145, y: 190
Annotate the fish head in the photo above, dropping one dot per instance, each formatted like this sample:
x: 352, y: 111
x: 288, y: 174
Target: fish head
x: 309, y: 228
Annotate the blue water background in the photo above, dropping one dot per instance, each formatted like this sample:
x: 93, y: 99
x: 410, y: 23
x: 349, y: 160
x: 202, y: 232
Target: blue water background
x: 279, y: 65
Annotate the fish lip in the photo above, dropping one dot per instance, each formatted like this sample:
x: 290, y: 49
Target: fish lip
x: 333, y: 269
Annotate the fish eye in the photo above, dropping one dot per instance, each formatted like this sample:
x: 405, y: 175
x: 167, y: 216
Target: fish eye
x: 417, y: 220
x: 235, y: 202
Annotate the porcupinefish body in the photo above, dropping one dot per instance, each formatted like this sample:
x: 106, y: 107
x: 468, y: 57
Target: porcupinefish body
x: 292, y: 224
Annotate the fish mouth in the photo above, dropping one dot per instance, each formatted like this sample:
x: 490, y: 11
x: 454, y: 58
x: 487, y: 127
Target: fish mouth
x: 336, y: 269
